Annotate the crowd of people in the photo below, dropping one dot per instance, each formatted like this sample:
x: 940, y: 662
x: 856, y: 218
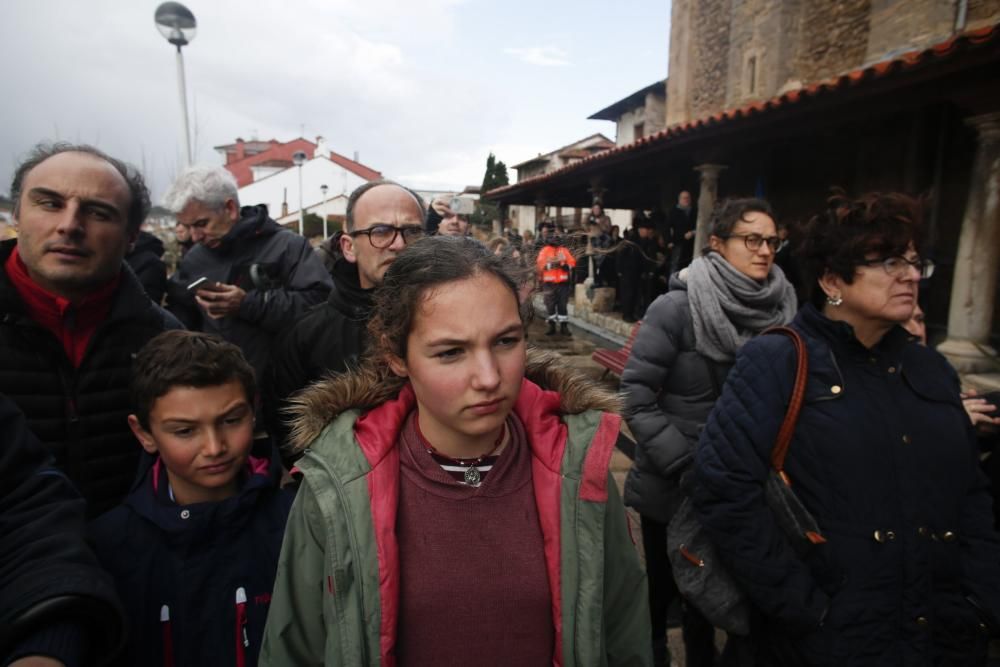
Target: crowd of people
x: 352, y: 456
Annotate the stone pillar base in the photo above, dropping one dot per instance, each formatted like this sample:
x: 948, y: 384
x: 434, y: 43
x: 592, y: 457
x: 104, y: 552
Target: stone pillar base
x: 967, y: 357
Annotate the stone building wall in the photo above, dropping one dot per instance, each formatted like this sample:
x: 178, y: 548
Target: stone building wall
x: 678, y: 108
x: 710, y: 46
x: 982, y: 12
x: 833, y: 38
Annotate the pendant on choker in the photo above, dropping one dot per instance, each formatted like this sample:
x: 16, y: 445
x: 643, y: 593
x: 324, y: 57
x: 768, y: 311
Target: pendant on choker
x: 472, y: 475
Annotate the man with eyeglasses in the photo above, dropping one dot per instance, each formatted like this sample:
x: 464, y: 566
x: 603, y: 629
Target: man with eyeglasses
x: 246, y: 276
x: 382, y: 218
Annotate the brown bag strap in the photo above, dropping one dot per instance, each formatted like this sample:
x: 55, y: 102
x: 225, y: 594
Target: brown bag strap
x: 784, y: 440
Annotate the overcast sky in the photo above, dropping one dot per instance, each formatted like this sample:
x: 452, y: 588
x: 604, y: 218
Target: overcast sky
x: 422, y: 89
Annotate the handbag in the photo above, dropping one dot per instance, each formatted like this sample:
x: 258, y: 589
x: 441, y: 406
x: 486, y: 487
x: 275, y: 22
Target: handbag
x: 700, y: 575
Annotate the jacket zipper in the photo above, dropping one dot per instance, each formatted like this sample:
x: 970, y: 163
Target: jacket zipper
x: 351, y: 538
x: 242, y: 640
x: 168, y: 637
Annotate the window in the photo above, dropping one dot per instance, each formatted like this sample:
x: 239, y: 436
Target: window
x: 637, y: 131
x: 751, y: 75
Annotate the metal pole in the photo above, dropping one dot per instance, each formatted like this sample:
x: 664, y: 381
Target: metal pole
x: 326, y: 231
x: 301, y: 213
x: 184, y: 106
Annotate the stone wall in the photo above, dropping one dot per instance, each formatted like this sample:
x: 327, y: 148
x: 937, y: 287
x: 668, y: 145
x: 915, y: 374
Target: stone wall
x: 678, y: 108
x: 833, y: 38
x: 982, y: 12
x: 710, y: 49
x: 903, y: 25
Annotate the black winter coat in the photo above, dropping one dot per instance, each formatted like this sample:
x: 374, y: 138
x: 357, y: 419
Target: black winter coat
x: 48, y: 576
x: 279, y: 271
x: 329, y: 338
x: 144, y: 260
x: 193, y: 559
x: 669, y: 390
x: 885, y: 458
x: 80, y: 414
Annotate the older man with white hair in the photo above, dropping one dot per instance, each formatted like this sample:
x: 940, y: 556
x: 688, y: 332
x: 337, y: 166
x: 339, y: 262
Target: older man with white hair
x: 247, y: 276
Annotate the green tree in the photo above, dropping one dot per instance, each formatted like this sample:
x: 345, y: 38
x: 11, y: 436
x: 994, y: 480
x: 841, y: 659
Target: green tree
x: 494, y: 177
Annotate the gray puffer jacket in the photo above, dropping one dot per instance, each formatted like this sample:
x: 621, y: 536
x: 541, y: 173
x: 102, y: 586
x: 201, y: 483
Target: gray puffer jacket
x: 669, y: 390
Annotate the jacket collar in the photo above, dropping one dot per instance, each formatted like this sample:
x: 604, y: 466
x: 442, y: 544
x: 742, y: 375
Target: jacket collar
x: 128, y: 301
x: 253, y: 223
x: 347, y: 295
x: 841, y: 338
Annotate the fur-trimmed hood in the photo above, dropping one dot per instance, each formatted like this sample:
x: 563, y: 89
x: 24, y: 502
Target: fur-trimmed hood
x: 372, y: 384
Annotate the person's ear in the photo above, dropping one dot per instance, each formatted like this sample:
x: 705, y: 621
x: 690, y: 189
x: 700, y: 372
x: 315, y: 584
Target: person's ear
x: 396, y: 364
x: 832, y: 285
x: 144, y: 437
x: 715, y: 243
x: 233, y: 209
x: 347, y: 248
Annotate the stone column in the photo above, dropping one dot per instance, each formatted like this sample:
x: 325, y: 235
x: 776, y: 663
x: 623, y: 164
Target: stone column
x: 708, y: 192
x: 974, y: 284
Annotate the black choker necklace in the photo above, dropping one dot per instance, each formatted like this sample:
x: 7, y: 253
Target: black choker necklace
x: 471, y: 474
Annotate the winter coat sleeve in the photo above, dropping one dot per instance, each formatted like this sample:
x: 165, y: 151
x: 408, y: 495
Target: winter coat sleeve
x: 296, y: 630
x: 626, y: 602
x: 53, y: 594
x: 732, y: 463
x: 306, y: 283
x: 649, y: 365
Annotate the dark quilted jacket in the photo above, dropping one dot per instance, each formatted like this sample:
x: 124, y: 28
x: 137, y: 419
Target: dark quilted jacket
x: 329, y: 338
x: 669, y: 390
x: 80, y: 414
x: 885, y: 458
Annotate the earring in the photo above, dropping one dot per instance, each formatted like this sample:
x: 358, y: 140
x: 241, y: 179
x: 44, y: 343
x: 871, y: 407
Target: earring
x: 835, y: 300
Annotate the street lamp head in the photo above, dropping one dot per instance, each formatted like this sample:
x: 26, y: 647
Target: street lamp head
x: 323, y: 189
x: 299, y: 158
x: 176, y: 23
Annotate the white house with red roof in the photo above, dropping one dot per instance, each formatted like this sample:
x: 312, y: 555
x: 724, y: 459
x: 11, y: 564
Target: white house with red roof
x: 266, y: 175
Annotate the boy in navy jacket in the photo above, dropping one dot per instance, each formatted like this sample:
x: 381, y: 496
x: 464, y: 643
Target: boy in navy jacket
x: 194, y: 547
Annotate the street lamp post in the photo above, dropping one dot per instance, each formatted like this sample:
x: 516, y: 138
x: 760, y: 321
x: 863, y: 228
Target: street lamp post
x: 326, y: 232
x: 299, y: 159
x: 177, y: 24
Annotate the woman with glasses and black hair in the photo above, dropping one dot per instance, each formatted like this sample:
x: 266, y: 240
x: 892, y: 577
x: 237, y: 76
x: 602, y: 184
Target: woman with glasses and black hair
x: 687, y: 343
x: 904, y: 568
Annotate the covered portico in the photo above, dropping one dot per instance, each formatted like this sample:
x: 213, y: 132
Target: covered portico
x: 926, y: 123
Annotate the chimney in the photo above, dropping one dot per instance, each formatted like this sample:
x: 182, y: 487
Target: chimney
x: 321, y: 148
x: 284, y: 204
x: 356, y: 156
x: 241, y: 151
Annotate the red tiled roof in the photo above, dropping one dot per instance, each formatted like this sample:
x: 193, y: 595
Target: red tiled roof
x: 858, y: 77
x: 281, y: 155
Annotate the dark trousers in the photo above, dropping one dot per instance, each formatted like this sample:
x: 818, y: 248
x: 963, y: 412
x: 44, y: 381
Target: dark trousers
x: 556, y: 298
x: 699, y: 635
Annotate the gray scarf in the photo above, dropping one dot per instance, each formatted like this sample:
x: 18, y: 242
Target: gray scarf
x: 728, y: 308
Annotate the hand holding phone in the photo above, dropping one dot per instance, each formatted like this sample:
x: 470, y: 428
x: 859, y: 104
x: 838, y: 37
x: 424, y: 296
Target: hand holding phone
x: 203, y: 283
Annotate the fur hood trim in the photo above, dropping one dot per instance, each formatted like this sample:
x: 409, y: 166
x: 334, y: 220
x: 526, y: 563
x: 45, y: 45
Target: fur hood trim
x: 373, y: 384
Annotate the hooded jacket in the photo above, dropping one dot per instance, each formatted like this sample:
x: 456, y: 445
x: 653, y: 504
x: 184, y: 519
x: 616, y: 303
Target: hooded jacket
x: 337, y: 593
x: 278, y: 270
x: 145, y: 261
x: 195, y: 578
x: 329, y: 338
x: 884, y: 457
x: 669, y: 390
x: 80, y: 414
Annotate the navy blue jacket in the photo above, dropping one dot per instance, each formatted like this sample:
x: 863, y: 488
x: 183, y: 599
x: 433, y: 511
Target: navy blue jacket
x: 193, y: 559
x: 885, y: 458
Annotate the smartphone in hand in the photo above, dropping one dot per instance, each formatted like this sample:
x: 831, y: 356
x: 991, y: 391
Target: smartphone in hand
x: 202, y: 283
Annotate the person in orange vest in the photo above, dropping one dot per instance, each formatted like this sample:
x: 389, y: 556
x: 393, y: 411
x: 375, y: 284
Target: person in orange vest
x: 555, y: 265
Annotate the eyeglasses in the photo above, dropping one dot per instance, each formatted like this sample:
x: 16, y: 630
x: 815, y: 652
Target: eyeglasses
x: 383, y: 236
x: 754, y: 241
x: 897, y: 267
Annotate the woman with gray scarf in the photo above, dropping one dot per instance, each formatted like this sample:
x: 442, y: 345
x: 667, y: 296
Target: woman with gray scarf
x: 685, y: 348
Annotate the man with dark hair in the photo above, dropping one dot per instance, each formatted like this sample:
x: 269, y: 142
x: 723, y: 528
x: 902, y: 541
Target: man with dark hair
x: 382, y: 217
x: 258, y: 275
x: 74, y: 315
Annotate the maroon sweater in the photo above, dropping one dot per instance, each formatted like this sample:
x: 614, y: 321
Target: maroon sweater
x: 473, y: 584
